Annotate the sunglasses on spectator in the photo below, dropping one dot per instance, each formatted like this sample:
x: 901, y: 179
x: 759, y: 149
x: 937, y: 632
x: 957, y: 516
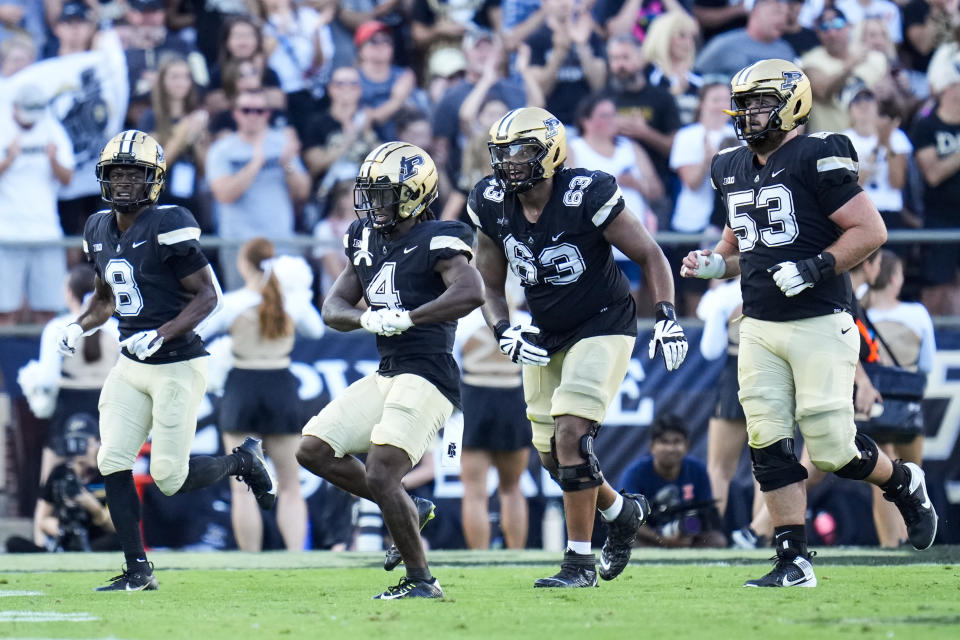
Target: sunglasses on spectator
x: 253, y: 111
x: 345, y: 83
x: 380, y: 38
x: 836, y: 23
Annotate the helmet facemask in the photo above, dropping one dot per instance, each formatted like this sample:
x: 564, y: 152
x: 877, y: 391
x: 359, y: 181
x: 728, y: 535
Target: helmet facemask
x: 741, y: 115
x: 518, y: 165
x: 377, y: 200
x: 152, y: 180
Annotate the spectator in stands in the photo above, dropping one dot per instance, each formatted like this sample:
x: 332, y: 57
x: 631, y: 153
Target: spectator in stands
x: 338, y: 139
x: 16, y: 52
x: 762, y: 38
x: 299, y: 45
x: 904, y: 86
x: 438, y: 24
x: 240, y: 40
x: 646, y: 113
x: 936, y: 143
x: 330, y: 230
x: 484, y: 65
x: 671, y: 48
x: 798, y: 36
x: 837, y: 69
x: 883, y: 150
x: 256, y: 178
x: 496, y: 434
x: 475, y: 122
x: 718, y: 16
x: 260, y: 395
x: 11, y: 17
x: 179, y: 123
x: 240, y: 76
x: 885, y: 11
x: 927, y: 24
x: 519, y: 19
x: 678, y: 488
x: 635, y: 17
x: 385, y: 86
x: 599, y: 147
x: 74, y: 27
x: 567, y: 57
x: 37, y: 160
x: 906, y: 327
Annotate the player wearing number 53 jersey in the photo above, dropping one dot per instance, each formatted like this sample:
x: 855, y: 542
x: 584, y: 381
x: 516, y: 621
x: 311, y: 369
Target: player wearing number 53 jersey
x: 798, y: 220
x: 414, y: 274
x: 555, y: 229
x: 152, y: 275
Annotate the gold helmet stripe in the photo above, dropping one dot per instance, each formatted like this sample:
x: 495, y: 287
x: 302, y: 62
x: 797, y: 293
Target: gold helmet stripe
x: 504, y: 127
x: 129, y: 137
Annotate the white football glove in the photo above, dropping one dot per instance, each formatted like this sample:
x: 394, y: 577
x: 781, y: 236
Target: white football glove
x: 396, y: 321
x: 519, y: 349
x: 794, y: 277
x: 143, y: 344
x: 373, y: 320
x: 69, y: 338
x: 708, y: 266
x: 668, y: 337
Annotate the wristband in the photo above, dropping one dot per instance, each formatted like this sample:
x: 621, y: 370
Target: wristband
x: 500, y: 327
x: 665, y: 311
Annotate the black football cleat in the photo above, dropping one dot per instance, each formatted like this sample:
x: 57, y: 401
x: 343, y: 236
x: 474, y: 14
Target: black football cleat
x: 255, y: 473
x: 621, y: 533
x: 787, y: 572
x: 137, y: 580
x: 917, y: 511
x: 426, y: 511
x: 578, y: 570
x: 408, y: 588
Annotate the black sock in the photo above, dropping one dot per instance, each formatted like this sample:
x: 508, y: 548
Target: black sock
x: 791, y: 540
x: 899, y: 480
x: 421, y: 575
x: 124, y: 505
x: 206, y: 470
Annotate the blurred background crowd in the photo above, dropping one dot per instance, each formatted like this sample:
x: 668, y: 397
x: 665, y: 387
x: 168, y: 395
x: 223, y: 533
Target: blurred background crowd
x: 265, y: 109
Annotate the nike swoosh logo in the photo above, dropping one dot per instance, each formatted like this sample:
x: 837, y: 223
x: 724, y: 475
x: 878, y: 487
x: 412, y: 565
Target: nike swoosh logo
x: 775, y: 173
x: 604, y: 563
x: 137, y: 244
x: 844, y: 331
x: 409, y: 249
x: 557, y: 237
x: 792, y: 583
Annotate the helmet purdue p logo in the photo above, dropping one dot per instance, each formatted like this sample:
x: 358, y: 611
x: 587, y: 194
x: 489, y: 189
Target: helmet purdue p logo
x: 790, y: 80
x: 408, y: 167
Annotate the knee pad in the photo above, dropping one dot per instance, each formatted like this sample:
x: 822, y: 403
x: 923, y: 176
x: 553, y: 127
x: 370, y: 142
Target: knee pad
x: 167, y: 477
x: 776, y: 466
x: 580, y: 476
x: 864, y: 464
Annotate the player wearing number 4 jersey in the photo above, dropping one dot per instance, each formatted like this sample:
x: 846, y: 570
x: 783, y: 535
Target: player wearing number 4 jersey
x: 153, y: 276
x: 414, y: 274
x: 554, y: 228
x: 797, y: 220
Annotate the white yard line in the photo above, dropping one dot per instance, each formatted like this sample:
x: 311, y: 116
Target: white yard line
x: 10, y: 594
x: 45, y: 616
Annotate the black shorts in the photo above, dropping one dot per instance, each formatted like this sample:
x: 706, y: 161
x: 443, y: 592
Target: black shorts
x: 261, y: 401
x: 495, y: 419
x: 728, y: 403
x: 70, y: 403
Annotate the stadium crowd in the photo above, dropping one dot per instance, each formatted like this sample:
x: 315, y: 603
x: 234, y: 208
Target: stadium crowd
x: 266, y: 108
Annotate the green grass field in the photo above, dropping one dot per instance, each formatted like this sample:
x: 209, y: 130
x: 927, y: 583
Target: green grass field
x: 670, y: 595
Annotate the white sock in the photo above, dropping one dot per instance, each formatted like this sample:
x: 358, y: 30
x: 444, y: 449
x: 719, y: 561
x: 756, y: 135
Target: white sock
x: 583, y: 548
x: 610, y: 513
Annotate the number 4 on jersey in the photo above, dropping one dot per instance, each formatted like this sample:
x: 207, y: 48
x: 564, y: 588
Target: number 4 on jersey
x: 382, y: 292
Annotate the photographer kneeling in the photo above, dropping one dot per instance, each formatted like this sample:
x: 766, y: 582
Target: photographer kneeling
x: 71, y: 515
x: 678, y: 487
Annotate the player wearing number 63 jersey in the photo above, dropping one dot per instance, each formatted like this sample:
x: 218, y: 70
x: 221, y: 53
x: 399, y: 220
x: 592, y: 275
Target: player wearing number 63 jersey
x: 796, y: 222
x: 414, y: 274
x: 555, y: 229
x: 153, y: 276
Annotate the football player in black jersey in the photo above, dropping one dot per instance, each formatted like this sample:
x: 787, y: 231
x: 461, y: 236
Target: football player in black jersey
x: 153, y: 276
x: 796, y: 222
x: 413, y: 272
x: 555, y: 229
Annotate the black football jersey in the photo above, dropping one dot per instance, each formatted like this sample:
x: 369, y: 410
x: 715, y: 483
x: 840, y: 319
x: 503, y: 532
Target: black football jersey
x: 780, y: 212
x: 144, y: 266
x: 399, y: 273
x: 573, y: 286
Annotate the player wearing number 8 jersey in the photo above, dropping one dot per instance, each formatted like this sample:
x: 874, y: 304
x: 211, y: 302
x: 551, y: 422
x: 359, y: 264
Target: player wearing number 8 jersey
x: 153, y: 276
x: 797, y: 220
x: 414, y: 274
x: 554, y: 228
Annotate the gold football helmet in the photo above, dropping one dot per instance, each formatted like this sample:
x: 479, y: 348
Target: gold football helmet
x: 779, y: 79
x: 526, y: 146
x: 396, y: 181
x: 132, y: 147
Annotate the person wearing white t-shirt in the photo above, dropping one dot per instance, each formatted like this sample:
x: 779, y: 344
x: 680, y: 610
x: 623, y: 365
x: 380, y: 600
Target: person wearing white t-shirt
x: 37, y: 157
x: 907, y: 328
x: 882, y: 149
